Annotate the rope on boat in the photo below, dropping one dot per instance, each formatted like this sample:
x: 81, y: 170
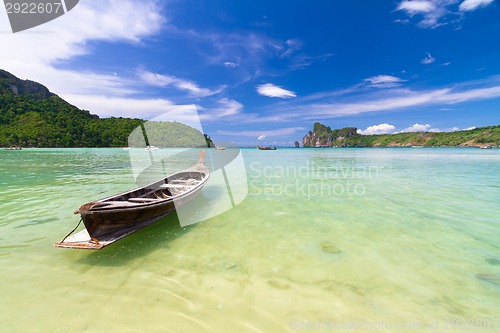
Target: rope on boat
x: 72, y: 231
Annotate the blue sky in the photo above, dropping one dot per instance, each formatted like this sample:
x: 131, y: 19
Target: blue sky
x: 262, y: 72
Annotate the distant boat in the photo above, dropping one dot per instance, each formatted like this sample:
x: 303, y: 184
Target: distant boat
x: 151, y: 148
x: 220, y: 148
x: 13, y: 148
x: 486, y: 147
x: 115, y: 217
x: 266, y: 148
x: 126, y: 148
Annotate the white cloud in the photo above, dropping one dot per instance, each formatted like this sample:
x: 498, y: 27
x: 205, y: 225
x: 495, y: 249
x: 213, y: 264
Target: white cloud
x: 271, y: 133
x: 472, y: 94
x: 291, y: 45
x: 418, y: 128
x: 435, y: 13
x: 469, y: 5
x: 452, y: 129
x: 469, y: 128
x: 271, y: 90
x: 228, y: 109
x: 261, y: 137
x: 69, y: 82
x: 428, y: 60
x: 164, y: 80
x: 414, y: 7
x: 391, y: 129
x: 427, y: 128
x: 383, y: 81
x: 303, y: 60
x: 398, y: 100
x: 431, y: 11
x: 405, y: 21
x: 158, y: 80
x: 107, y: 106
x: 149, y: 109
x: 231, y: 64
x: 378, y: 129
x: 225, y: 107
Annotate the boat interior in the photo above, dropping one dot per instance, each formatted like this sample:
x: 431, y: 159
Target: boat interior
x: 161, y: 190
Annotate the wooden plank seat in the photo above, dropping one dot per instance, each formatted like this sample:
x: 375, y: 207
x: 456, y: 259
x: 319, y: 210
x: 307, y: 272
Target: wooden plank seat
x: 175, y: 186
x: 143, y: 199
x: 183, y: 181
x: 114, y: 204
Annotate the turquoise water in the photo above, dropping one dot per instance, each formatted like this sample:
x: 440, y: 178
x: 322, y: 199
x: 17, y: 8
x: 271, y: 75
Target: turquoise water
x: 372, y: 239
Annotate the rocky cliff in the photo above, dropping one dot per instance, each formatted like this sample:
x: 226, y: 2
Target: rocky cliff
x: 24, y: 87
x: 324, y: 136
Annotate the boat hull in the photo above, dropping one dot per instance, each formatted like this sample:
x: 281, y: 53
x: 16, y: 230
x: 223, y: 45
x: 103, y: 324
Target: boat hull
x: 106, y: 221
x: 115, y: 217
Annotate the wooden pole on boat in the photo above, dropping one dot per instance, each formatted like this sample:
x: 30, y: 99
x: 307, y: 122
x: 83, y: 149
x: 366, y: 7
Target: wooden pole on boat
x: 202, y: 157
x: 147, y: 143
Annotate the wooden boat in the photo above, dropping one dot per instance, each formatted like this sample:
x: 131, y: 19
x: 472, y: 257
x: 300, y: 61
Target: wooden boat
x: 266, y: 148
x: 220, y: 148
x: 112, y: 218
x: 13, y: 148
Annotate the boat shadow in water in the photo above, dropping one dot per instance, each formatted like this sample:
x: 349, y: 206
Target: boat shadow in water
x: 139, y: 244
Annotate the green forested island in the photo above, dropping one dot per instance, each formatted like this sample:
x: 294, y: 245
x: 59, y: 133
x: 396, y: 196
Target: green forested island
x: 32, y: 116
x: 323, y: 136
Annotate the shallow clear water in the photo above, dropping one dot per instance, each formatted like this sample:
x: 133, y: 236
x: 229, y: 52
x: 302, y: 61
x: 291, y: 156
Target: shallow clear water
x: 325, y: 238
